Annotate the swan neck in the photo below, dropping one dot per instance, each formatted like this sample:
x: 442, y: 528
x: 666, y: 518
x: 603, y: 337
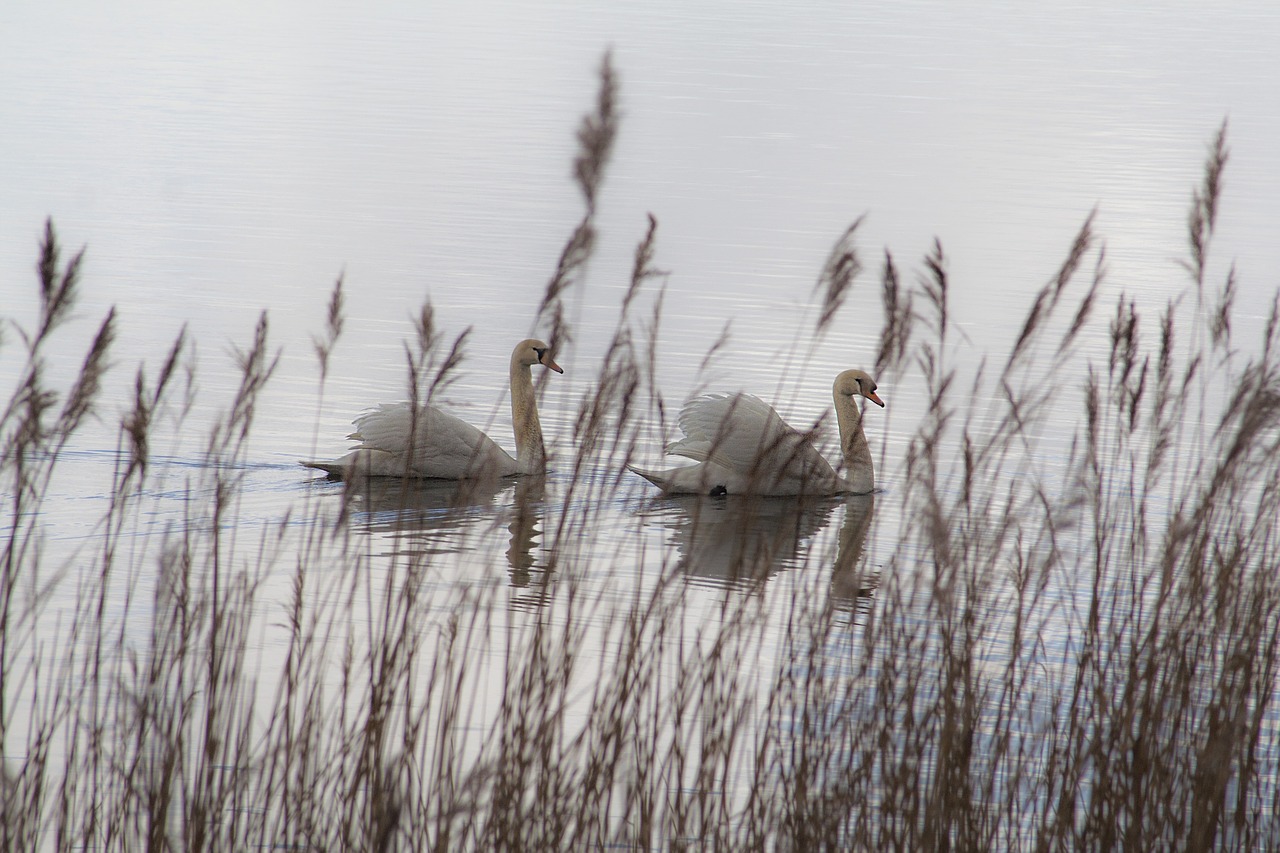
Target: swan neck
x: 859, y: 469
x: 530, y: 452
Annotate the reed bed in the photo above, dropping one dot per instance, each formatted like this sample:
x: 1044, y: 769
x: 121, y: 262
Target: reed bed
x: 1077, y: 655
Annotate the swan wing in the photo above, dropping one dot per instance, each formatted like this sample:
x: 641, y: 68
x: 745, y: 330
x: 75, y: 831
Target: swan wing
x: 747, y: 447
x: 436, y: 443
x: 744, y: 434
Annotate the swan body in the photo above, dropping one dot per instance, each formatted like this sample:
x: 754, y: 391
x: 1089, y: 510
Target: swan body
x: 405, y: 440
x: 742, y: 446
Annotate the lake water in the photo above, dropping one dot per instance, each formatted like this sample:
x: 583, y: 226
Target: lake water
x: 224, y: 160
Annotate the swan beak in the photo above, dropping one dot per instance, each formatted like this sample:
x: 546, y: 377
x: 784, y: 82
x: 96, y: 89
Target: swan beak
x: 871, y: 395
x: 545, y: 361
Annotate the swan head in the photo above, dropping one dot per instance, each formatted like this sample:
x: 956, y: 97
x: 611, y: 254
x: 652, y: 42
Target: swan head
x: 857, y: 383
x: 532, y: 351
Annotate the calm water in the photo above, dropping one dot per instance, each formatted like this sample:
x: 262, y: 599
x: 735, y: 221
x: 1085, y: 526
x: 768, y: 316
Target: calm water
x: 223, y: 162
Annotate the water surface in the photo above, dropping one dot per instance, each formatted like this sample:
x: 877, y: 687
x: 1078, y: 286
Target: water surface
x: 223, y: 162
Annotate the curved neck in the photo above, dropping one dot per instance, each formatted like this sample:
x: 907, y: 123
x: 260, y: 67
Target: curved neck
x: 530, y: 452
x: 859, y: 470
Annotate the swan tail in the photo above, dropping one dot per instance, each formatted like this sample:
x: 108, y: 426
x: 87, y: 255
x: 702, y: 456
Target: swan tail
x: 684, y: 480
x: 363, y: 462
x: 658, y: 478
x: 334, y: 470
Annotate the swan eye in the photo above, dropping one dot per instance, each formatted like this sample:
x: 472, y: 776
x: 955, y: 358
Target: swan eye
x: 540, y: 352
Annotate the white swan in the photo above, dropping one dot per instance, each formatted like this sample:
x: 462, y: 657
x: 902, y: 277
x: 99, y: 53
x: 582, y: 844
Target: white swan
x: 744, y: 447
x: 403, y: 440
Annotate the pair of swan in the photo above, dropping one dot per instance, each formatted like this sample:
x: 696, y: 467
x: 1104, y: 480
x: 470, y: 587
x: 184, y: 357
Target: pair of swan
x: 740, y: 443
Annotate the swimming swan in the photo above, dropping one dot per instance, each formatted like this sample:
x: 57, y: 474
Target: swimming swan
x: 744, y: 447
x: 401, y: 440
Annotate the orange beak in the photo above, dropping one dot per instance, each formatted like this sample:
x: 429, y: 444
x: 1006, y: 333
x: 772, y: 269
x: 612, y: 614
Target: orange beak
x: 871, y: 395
x: 546, y: 361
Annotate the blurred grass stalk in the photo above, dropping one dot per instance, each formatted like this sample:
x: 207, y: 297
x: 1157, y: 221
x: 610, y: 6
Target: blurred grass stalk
x: 1072, y: 656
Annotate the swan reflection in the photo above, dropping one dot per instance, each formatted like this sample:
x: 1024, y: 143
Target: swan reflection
x: 386, y: 503
x: 525, y: 529
x: 742, y: 541
x: 434, y: 517
x: 852, y: 582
